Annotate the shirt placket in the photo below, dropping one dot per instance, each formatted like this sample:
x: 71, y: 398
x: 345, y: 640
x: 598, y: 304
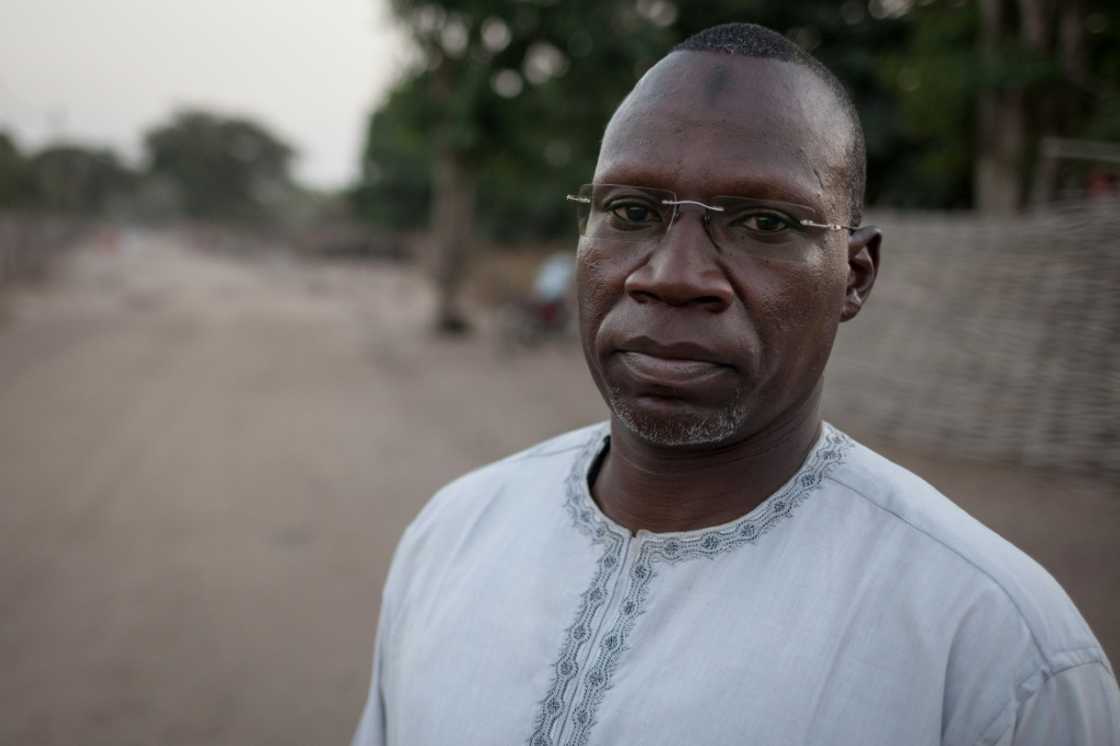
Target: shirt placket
x: 580, y: 713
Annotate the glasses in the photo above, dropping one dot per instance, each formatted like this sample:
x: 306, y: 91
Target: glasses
x: 733, y: 224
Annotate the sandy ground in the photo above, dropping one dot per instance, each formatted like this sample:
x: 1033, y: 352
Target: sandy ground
x: 205, y: 465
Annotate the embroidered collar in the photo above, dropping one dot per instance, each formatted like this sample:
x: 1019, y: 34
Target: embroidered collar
x: 829, y: 450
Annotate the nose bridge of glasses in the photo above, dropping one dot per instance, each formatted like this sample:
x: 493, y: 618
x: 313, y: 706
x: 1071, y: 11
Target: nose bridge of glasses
x: 716, y: 208
x: 677, y: 203
x: 704, y: 209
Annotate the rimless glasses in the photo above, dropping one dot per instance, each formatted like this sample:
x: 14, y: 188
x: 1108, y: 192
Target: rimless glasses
x: 643, y: 214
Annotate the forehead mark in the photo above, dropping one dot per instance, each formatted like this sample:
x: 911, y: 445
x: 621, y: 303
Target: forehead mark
x: 715, y: 84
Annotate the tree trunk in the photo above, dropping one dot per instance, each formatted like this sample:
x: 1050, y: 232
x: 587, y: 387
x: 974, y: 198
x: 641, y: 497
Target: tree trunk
x: 1001, y: 139
x: 1073, y: 56
x: 452, y: 228
x: 1056, y: 30
x: 1000, y: 128
x: 1036, y: 22
x: 1071, y: 46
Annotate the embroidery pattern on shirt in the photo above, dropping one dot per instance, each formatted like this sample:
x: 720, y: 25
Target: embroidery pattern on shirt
x: 579, y: 633
x: 673, y: 549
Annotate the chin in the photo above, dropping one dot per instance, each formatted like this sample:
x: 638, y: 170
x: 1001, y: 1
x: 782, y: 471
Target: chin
x: 683, y: 428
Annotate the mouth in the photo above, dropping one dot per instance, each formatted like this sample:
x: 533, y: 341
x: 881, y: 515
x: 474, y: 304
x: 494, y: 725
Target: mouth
x: 669, y: 365
x: 673, y: 372
x: 682, y: 351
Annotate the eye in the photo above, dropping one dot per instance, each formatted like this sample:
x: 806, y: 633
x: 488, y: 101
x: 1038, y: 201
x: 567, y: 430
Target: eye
x: 634, y: 214
x: 764, y: 221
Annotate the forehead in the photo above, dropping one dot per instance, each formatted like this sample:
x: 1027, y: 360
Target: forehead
x: 703, y: 123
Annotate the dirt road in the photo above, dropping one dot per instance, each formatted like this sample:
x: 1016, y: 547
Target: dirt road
x: 206, y: 464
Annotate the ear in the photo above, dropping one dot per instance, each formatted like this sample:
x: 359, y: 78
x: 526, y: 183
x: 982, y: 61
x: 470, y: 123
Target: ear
x: 863, y: 268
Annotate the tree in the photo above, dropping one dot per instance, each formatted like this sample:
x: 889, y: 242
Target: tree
x: 223, y: 167
x: 501, y: 96
x: 981, y: 84
x: 394, y: 190
x: 15, y: 179
x: 63, y: 177
x: 77, y: 179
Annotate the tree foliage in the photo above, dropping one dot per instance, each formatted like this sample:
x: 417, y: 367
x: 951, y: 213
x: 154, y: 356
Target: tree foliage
x: 395, y: 185
x: 66, y: 178
x: 15, y: 178
x: 222, y: 167
x: 198, y: 163
x: 77, y: 179
x: 979, y: 84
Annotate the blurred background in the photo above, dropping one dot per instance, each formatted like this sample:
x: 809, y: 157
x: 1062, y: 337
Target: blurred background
x: 272, y: 273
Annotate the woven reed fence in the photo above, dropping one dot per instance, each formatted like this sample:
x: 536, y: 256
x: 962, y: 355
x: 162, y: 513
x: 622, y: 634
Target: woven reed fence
x: 994, y: 339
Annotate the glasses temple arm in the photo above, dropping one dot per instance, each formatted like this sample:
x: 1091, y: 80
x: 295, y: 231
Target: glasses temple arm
x: 826, y: 226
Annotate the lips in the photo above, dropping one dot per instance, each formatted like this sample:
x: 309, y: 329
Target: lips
x: 668, y: 371
x: 677, y: 365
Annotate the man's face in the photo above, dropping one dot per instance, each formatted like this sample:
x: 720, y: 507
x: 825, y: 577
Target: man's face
x: 693, y: 344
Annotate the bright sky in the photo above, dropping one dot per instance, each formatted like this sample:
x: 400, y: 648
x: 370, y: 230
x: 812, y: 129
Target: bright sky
x: 103, y: 71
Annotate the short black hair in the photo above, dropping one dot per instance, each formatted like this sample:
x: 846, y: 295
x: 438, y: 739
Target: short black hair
x: 752, y: 40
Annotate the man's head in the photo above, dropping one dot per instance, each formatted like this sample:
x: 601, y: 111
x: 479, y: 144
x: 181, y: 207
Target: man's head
x: 701, y: 326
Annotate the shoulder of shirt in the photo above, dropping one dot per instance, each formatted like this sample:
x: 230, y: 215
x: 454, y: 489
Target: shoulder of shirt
x: 1060, y: 635
x: 464, y: 493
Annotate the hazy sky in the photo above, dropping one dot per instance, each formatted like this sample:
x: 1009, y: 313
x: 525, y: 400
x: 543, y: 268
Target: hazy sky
x: 102, y: 71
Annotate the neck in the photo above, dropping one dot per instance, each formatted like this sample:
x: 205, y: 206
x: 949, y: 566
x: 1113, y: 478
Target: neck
x: 658, y: 489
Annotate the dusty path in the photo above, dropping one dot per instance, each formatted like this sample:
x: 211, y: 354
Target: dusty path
x: 206, y: 463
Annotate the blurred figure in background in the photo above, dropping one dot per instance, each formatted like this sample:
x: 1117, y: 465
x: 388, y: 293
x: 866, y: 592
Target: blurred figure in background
x: 552, y: 288
x: 543, y: 313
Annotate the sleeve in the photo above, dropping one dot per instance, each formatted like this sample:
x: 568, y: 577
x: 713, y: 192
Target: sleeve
x: 1079, y: 706
x: 371, y: 727
x: 377, y: 721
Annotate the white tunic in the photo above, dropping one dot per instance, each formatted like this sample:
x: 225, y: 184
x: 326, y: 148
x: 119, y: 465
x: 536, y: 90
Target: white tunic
x: 854, y: 606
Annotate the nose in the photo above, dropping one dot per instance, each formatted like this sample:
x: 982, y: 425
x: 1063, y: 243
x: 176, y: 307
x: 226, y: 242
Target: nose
x: 680, y: 271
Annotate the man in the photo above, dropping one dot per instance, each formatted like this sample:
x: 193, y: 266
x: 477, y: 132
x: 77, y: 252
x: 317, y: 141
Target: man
x: 716, y: 565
